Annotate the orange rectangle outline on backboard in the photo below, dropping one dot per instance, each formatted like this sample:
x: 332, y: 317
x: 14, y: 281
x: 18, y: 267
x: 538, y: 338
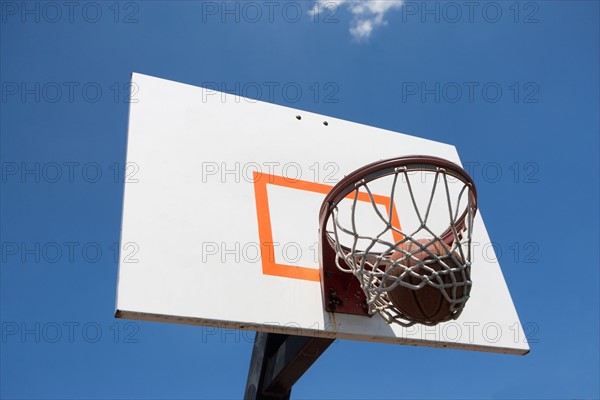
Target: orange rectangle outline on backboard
x: 265, y: 232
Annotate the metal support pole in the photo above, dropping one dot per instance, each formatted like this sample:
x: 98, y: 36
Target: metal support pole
x: 278, y: 361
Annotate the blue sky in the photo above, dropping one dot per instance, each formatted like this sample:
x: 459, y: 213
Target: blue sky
x: 532, y: 116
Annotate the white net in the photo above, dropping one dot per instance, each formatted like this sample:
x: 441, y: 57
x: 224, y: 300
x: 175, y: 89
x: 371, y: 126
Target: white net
x: 406, y: 236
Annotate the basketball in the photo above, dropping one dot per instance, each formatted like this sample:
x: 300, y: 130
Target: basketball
x: 427, y: 304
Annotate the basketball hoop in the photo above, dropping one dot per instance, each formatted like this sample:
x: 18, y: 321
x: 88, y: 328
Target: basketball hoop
x: 406, y: 257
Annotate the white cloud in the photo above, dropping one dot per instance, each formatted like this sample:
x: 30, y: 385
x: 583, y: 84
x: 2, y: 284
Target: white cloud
x: 367, y: 14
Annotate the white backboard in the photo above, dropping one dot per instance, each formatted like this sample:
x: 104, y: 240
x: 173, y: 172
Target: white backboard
x: 204, y: 243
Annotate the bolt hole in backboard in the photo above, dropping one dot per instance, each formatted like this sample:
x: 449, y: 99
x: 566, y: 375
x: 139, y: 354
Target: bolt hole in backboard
x: 250, y: 215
